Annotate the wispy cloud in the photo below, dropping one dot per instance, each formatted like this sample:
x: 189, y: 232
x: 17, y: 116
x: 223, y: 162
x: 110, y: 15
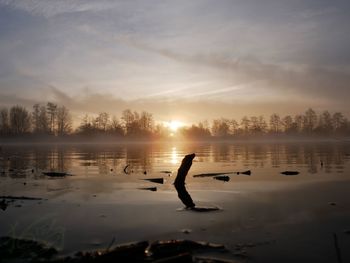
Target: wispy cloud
x: 48, y: 8
x: 308, y: 80
x: 165, y: 55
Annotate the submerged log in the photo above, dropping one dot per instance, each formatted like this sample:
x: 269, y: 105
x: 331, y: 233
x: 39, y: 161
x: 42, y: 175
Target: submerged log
x: 180, y: 181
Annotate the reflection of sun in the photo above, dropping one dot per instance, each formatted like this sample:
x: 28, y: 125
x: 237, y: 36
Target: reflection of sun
x: 173, y: 155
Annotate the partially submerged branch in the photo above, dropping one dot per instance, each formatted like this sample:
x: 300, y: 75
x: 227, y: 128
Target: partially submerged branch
x: 180, y: 181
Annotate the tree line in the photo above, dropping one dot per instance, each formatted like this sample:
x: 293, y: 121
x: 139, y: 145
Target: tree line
x: 53, y: 120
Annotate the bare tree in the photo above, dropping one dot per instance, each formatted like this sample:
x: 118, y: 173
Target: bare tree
x: 245, y: 124
x: 325, y: 124
x: 339, y: 122
x: 289, y: 125
x: 298, y: 120
x: 19, y: 120
x: 43, y: 126
x: 52, y: 115
x: 115, y: 127
x: 310, y: 120
x: 221, y: 127
x: 102, y: 121
x: 4, y: 122
x: 64, y: 121
x: 275, y: 123
x: 36, y: 118
x: 233, y: 127
x: 146, y: 122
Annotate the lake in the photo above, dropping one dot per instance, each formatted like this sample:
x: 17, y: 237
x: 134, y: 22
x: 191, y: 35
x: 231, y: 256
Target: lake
x: 106, y: 197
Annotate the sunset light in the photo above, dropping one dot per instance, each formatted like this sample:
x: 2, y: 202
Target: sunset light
x: 173, y: 125
x: 130, y: 130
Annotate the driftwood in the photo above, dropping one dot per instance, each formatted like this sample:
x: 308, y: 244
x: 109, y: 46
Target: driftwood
x: 180, y: 181
x: 248, y: 172
x: 155, y: 180
x: 290, y: 172
x: 126, y: 169
x: 224, y: 178
x: 19, y: 197
x: 210, y: 174
x: 153, y: 189
x: 56, y: 174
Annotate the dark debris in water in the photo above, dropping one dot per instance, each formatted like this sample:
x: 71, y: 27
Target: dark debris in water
x: 248, y: 172
x: 6, y: 200
x: 19, y: 197
x: 153, y: 189
x: 21, y: 250
x: 56, y: 174
x: 290, y: 172
x: 155, y: 180
x: 210, y: 174
x: 224, y: 178
x: 3, y: 204
x: 24, y: 250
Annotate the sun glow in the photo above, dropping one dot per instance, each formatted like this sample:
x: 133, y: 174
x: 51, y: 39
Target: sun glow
x: 174, y: 125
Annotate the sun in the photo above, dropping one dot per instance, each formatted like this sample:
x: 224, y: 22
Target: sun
x: 174, y: 126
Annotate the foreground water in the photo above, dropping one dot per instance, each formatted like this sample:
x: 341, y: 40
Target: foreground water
x: 271, y: 215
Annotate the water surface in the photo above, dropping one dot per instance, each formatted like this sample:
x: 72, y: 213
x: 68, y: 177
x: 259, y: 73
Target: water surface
x: 100, y: 201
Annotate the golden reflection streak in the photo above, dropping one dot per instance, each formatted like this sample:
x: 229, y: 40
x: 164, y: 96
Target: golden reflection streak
x: 174, y: 156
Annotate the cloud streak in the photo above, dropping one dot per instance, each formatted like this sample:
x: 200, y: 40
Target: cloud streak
x: 158, y: 55
x: 308, y: 80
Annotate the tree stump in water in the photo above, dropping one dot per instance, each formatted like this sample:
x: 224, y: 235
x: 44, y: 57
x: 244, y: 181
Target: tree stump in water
x: 180, y: 181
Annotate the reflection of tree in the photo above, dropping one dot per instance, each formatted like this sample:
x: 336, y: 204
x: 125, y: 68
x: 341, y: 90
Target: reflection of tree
x: 18, y: 162
x: 139, y: 157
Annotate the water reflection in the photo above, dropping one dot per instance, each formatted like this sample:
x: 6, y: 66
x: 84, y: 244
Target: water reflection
x: 100, y: 160
x: 174, y: 156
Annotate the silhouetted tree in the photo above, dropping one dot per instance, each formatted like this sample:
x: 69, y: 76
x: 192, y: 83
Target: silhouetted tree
x: 4, y: 122
x: 43, y: 121
x: 257, y: 125
x: 86, y: 127
x: 101, y: 122
x: 221, y: 127
x: 146, y: 122
x: 36, y: 118
x: 339, y: 122
x: 19, y: 120
x: 64, y: 121
x: 310, y: 121
x: 52, y: 115
x: 275, y: 123
x: 196, y: 132
x: 325, y: 125
x: 233, y: 124
x: 298, y: 120
x: 245, y: 125
x: 115, y: 128
x: 289, y: 125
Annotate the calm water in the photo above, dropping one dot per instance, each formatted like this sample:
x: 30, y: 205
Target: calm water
x: 100, y: 202
x: 265, y: 160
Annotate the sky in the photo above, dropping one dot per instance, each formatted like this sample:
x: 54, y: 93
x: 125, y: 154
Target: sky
x: 181, y: 60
